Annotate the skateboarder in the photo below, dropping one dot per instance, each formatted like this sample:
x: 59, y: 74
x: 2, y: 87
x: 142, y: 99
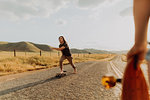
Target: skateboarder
x: 64, y: 48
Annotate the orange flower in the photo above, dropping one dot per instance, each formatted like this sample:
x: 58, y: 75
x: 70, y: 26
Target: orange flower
x: 108, y: 81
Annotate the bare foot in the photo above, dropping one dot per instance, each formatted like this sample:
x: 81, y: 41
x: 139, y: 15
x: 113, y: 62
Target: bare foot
x: 75, y: 71
x: 61, y: 72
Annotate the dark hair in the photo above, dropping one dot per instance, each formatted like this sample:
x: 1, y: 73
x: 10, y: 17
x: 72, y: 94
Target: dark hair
x: 63, y: 39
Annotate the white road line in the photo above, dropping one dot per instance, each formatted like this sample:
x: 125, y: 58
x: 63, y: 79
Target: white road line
x: 116, y: 70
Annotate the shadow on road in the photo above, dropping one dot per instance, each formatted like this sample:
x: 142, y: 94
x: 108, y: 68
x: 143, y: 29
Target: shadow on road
x: 14, y: 89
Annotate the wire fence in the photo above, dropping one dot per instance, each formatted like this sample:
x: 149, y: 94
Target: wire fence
x: 16, y: 53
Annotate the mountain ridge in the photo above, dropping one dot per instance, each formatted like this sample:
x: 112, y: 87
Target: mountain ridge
x: 24, y: 46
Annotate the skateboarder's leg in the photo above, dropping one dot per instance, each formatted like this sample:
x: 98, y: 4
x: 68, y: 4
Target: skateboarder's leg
x: 71, y: 62
x: 61, y: 63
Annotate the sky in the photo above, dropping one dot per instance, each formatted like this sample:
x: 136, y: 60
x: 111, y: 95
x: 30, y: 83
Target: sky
x: 99, y: 24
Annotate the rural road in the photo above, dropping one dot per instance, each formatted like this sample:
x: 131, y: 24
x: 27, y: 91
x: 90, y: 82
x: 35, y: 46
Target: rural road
x: 85, y: 85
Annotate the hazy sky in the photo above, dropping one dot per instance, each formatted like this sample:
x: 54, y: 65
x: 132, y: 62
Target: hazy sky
x: 100, y: 24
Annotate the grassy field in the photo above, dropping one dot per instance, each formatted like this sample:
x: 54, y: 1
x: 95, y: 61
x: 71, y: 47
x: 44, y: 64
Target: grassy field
x: 29, y: 61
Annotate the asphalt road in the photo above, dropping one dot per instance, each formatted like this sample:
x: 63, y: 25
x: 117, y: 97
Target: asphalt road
x: 42, y: 85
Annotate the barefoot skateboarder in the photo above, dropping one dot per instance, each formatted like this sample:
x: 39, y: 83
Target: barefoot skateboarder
x: 64, y: 48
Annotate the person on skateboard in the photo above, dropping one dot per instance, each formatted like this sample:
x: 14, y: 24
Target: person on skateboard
x: 64, y: 48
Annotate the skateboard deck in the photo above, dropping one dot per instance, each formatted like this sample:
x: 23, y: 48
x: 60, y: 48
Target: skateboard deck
x: 60, y: 75
x: 134, y: 83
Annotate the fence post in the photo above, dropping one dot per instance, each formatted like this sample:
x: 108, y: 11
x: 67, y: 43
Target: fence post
x: 14, y: 53
x: 25, y: 53
x: 40, y: 53
x: 89, y: 54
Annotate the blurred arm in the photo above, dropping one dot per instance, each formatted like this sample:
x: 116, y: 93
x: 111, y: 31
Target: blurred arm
x: 59, y: 49
x: 141, y: 11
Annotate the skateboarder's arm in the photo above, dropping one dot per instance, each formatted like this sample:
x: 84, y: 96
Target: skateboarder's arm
x: 59, y: 49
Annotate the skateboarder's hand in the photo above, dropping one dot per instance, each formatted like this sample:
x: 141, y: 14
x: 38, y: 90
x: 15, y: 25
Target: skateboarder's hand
x: 137, y: 49
x: 53, y: 48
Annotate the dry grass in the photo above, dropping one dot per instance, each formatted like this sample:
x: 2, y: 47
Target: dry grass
x: 124, y: 59
x: 32, y: 61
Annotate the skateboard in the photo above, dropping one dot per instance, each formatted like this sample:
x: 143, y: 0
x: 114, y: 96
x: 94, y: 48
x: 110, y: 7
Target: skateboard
x: 134, y: 85
x: 60, y: 75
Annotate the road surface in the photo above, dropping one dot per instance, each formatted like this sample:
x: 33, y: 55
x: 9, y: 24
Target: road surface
x: 85, y: 85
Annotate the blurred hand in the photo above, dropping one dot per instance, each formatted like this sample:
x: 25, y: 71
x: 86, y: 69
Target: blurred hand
x: 140, y: 50
x: 52, y: 48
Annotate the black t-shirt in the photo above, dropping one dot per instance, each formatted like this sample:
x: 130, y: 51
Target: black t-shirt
x: 66, y: 51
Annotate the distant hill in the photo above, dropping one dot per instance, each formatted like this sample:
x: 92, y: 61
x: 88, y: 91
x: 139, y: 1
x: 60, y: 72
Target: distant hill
x: 23, y: 46
x: 33, y: 47
x: 120, y: 52
x: 93, y: 51
x: 78, y: 51
x: 97, y: 51
x: 42, y: 46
